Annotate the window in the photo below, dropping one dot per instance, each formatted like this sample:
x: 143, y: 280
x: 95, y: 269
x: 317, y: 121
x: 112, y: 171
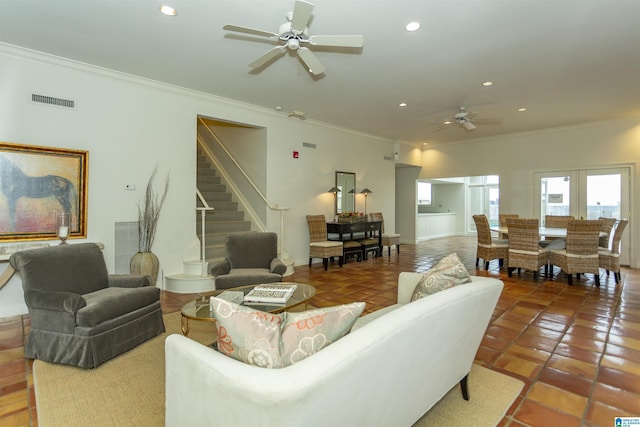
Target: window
x: 484, y: 198
x: 424, y: 193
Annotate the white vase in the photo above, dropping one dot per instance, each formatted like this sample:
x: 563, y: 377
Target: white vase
x: 145, y: 264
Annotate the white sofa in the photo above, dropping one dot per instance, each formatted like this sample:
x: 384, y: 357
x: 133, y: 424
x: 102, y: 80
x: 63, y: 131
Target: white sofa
x: 391, y: 369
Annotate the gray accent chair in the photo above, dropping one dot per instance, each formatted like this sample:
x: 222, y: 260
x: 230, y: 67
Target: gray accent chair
x: 80, y: 314
x: 252, y: 258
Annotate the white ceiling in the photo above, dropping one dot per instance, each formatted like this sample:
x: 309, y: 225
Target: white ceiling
x: 566, y: 61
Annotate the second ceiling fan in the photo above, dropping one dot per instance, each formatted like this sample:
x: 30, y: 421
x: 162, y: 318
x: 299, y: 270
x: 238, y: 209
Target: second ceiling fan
x: 467, y: 120
x: 294, y: 35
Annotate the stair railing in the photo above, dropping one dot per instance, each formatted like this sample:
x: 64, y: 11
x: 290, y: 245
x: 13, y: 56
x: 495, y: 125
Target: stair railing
x: 203, y: 211
x: 249, y: 180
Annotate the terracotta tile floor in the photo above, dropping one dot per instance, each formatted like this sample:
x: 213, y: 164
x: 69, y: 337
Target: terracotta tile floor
x: 577, y: 348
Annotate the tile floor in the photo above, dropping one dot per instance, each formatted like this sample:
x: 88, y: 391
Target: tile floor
x: 577, y: 348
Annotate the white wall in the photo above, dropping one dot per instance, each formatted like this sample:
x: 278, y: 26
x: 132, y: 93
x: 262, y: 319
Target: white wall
x: 130, y: 125
x: 515, y: 157
x: 406, y: 204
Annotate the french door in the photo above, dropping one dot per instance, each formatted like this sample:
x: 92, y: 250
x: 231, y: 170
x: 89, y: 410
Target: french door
x: 585, y: 193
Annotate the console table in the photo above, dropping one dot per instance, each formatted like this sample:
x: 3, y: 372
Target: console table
x: 369, y: 228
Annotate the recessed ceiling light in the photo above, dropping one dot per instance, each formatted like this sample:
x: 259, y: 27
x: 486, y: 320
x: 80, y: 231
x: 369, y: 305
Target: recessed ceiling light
x: 168, y: 10
x: 412, y: 26
x: 487, y: 83
x: 403, y: 104
x: 522, y: 109
x: 425, y: 144
x: 447, y: 122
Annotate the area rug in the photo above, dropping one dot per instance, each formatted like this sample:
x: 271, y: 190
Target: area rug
x: 129, y: 390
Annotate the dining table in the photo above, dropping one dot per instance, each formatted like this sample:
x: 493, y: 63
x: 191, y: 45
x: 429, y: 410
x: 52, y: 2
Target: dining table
x: 560, y: 233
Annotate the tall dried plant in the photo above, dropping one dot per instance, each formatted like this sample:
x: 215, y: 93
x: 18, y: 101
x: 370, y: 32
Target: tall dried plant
x: 149, y: 213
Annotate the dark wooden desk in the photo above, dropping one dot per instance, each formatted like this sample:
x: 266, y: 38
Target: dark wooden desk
x: 346, y: 230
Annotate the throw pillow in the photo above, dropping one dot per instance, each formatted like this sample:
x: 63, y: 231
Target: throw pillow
x: 447, y: 273
x: 278, y: 340
x: 306, y: 333
x: 246, y: 334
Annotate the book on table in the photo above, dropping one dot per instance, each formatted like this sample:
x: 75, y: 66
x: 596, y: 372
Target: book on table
x: 270, y: 293
x: 232, y: 296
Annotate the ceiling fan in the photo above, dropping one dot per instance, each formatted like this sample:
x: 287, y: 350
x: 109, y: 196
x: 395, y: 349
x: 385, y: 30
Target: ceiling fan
x: 294, y: 34
x: 467, y: 120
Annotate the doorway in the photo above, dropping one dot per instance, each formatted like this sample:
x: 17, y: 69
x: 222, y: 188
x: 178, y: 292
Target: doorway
x: 585, y: 193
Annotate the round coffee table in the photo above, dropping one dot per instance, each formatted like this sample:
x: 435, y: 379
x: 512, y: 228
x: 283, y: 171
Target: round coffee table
x: 199, y: 309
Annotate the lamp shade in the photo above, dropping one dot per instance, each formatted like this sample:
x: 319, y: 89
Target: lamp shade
x: 333, y: 190
x: 366, y: 192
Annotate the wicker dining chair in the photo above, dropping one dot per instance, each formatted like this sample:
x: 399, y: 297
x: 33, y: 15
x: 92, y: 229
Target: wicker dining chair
x: 607, y: 226
x: 524, y: 247
x: 555, y: 221
x: 319, y: 245
x: 581, y: 252
x: 388, y: 239
x: 489, y: 248
x: 502, y: 218
x: 609, y: 259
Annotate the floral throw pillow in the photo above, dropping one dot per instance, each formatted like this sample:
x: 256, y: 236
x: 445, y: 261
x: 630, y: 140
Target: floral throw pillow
x: 447, y: 273
x: 246, y: 334
x: 278, y: 340
x: 306, y: 333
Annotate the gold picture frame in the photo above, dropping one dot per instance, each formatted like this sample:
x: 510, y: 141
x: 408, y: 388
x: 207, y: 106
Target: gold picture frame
x: 35, y: 184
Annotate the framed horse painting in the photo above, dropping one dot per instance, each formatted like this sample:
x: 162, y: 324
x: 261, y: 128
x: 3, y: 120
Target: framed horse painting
x: 36, y: 183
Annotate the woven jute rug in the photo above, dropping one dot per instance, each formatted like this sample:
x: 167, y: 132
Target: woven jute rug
x: 129, y: 390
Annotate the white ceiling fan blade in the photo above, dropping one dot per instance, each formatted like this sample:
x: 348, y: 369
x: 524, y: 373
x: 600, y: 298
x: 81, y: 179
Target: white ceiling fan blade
x: 301, y: 15
x: 310, y: 60
x: 342, y: 41
x: 441, y: 127
x: 488, y: 121
x: 247, y: 30
x: 276, y: 51
x: 468, y: 125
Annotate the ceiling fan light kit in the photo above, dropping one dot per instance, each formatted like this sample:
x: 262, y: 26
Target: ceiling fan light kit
x: 295, y: 34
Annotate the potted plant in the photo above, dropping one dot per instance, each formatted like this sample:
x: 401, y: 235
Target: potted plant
x: 145, y: 262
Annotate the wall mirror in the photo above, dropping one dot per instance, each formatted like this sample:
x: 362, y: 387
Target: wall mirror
x: 346, y: 197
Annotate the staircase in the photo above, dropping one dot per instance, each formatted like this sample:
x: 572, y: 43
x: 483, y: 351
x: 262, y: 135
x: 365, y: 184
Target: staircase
x: 224, y: 219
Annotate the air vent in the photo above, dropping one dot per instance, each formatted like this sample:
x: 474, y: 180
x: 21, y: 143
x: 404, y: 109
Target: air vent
x: 308, y: 144
x: 50, y: 100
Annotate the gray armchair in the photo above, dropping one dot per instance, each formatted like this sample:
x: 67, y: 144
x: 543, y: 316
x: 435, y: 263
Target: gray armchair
x: 80, y: 314
x: 252, y: 258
